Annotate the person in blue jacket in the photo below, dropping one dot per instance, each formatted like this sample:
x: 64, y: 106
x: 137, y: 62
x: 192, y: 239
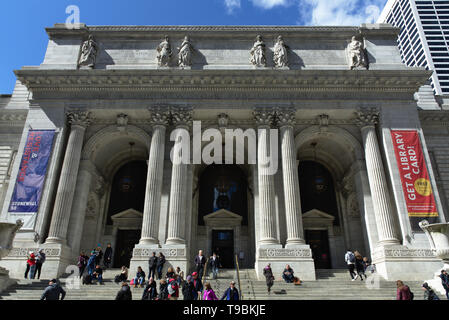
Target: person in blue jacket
x: 231, y: 293
x: 91, y: 263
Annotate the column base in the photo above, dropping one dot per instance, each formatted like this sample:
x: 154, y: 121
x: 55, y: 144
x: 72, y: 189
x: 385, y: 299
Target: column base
x: 299, y: 259
x: 398, y: 262
x: 5, y: 280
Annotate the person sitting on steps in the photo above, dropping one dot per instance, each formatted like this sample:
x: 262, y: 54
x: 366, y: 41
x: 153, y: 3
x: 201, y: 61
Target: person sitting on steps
x: 287, y: 275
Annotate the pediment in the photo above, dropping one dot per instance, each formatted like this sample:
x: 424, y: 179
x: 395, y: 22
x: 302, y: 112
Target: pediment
x: 317, y: 215
x: 222, y: 214
x: 127, y: 214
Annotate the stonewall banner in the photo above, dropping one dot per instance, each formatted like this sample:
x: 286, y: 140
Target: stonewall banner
x: 32, y: 170
x: 414, y: 177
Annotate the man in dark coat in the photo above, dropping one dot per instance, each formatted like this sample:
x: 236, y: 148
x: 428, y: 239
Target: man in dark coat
x: 445, y: 282
x: 150, y: 292
x: 107, y: 258
x: 214, y: 262
x: 231, y: 293
x: 124, y: 293
x: 152, y: 264
x: 188, y: 289
x: 200, y: 261
x: 197, y: 285
x: 53, y: 291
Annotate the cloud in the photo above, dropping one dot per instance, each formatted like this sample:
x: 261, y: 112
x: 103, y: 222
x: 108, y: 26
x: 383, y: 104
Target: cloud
x: 231, y: 5
x: 339, y: 12
x: 268, y: 4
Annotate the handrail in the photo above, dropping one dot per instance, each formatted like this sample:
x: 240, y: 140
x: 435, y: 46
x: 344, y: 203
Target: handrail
x: 204, y: 271
x: 238, y: 276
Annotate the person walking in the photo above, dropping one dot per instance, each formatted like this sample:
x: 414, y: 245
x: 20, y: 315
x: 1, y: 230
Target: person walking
x: 350, y: 261
x: 152, y: 264
x: 54, y: 291
x: 188, y: 289
x: 231, y: 293
x: 82, y: 263
x: 359, y: 265
x: 445, y: 282
x: 107, y: 259
x: 197, y: 285
x: 269, y: 278
x: 403, y: 292
x: 209, y: 293
x: 91, y: 263
x: 214, y: 263
x: 32, y: 263
x: 40, y: 259
x: 140, y: 278
x: 124, y: 293
x: 429, y: 294
x: 200, y: 261
x: 160, y: 265
x: 150, y: 292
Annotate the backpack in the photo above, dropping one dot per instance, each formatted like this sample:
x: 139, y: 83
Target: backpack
x: 172, y: 286
x: 87, y: 279
x: 351, y: 257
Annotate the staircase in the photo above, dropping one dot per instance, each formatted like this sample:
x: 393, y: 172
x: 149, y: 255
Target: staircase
x: 330, y: 285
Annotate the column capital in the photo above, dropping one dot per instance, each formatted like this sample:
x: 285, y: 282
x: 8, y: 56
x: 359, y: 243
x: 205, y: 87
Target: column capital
x: 366, y: 117
x: 285, y: 117
x: 160, y: 115
x: 182, y: 117
x: 79, y: 118
x: 264, y: 116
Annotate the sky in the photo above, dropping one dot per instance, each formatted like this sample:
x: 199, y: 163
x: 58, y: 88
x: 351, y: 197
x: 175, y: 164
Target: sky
x: 23, y: 22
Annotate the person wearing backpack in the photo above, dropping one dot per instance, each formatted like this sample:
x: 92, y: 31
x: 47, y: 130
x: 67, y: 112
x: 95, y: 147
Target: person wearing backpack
x: 350, y: 260
x: 173, y: 288
x: 403, y: 291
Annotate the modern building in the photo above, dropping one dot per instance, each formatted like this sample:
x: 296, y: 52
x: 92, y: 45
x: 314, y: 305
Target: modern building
x: 424, y: 36
x: 86, y: 145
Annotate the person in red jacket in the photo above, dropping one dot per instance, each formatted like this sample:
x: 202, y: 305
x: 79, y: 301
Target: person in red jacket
x: 32, y: 263
x: 403, y: 291
x: 173, y: 288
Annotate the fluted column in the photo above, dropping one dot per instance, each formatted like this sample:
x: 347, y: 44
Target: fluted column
x: 264, y: 118
x: 182, y: 120
x: 66, y: 188
x: 295, y: 232
x: 386, y: 225
x: 153, y: 192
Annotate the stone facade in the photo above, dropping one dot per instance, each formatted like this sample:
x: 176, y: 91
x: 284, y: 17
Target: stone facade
x: 105, y: 88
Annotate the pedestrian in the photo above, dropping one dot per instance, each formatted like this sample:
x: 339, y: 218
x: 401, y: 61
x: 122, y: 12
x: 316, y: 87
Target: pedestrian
x: 54, y: 291
x: 180, y: 275
x: 99, y: 254
x: 350, y: 261
x: 140, y: 278
x: 123, y: 276
x: 287, y: 275
x: 91, y: 263
x: 82, y: 263
x: 28, y: 265
x: 359, y: 265
x: 445, y: 282
x: 40, y: 259
x: 368, y: 266
x: 124, y: 293
x: 173, y: 288
x: 107, y: 259
x: 188, y: 289
x: 152, y: 263
x: 214, y: 263
x: 32, y: 263
x: 150, y: 292
x: 269, y: 278
x: 163, y: 291
x: 209, y: 293
x: 231, y: 293
x: 160, y: 265
x: 403, y: 292
x: 98, y: 274
x: 197, y: 285
x: 429, y: 294
x: 200, y: 261
x: 170, y: 273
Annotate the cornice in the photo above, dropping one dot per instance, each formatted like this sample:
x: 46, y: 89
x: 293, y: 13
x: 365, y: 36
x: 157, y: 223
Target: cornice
x: 434, y: 117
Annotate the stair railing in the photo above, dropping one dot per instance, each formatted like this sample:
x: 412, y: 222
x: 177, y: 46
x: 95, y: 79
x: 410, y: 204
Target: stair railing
x: 238, y: 277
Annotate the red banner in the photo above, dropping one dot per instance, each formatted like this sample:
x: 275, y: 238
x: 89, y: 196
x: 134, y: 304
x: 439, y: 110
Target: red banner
x: 414, y: 176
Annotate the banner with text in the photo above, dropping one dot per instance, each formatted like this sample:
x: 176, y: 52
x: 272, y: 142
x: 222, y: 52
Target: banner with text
x: 414, y: 177
x: 33, y: 167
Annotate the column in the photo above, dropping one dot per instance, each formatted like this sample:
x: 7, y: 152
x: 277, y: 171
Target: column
x: 153, y: 191
x: 182, y: 119
x: 79, y: 120
x: 295, y: 232
x: 386, y: 224
x: 264, y: 118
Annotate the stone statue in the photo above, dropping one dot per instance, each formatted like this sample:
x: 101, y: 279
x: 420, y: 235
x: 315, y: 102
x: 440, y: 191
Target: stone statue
x: 89, y: 51
x: 164, y: 52
x: 357, y: 55
x: 258, y: 53
x: 185, y: 53
x: 280, y: 57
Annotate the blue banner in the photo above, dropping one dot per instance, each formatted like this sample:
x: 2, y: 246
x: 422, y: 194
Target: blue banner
x: 33, y: 167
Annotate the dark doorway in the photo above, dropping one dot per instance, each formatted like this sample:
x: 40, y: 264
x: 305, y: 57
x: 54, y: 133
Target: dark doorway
x: 319, y: 243
x: 126, y: 240
x: 223, y: 246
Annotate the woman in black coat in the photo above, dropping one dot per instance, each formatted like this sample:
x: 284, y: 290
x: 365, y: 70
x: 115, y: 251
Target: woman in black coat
x: 268, y: 273
x: 160, y: 265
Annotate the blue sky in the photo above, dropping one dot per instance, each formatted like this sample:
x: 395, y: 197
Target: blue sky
x: 22, y: 23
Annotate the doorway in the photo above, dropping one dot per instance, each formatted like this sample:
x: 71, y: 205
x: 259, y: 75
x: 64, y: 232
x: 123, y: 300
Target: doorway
x: 126, y: 240
x: 319, y: 243
x: 223, y: 246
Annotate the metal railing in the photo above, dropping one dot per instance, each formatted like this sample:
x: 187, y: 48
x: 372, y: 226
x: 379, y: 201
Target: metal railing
x: 238, y: 277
